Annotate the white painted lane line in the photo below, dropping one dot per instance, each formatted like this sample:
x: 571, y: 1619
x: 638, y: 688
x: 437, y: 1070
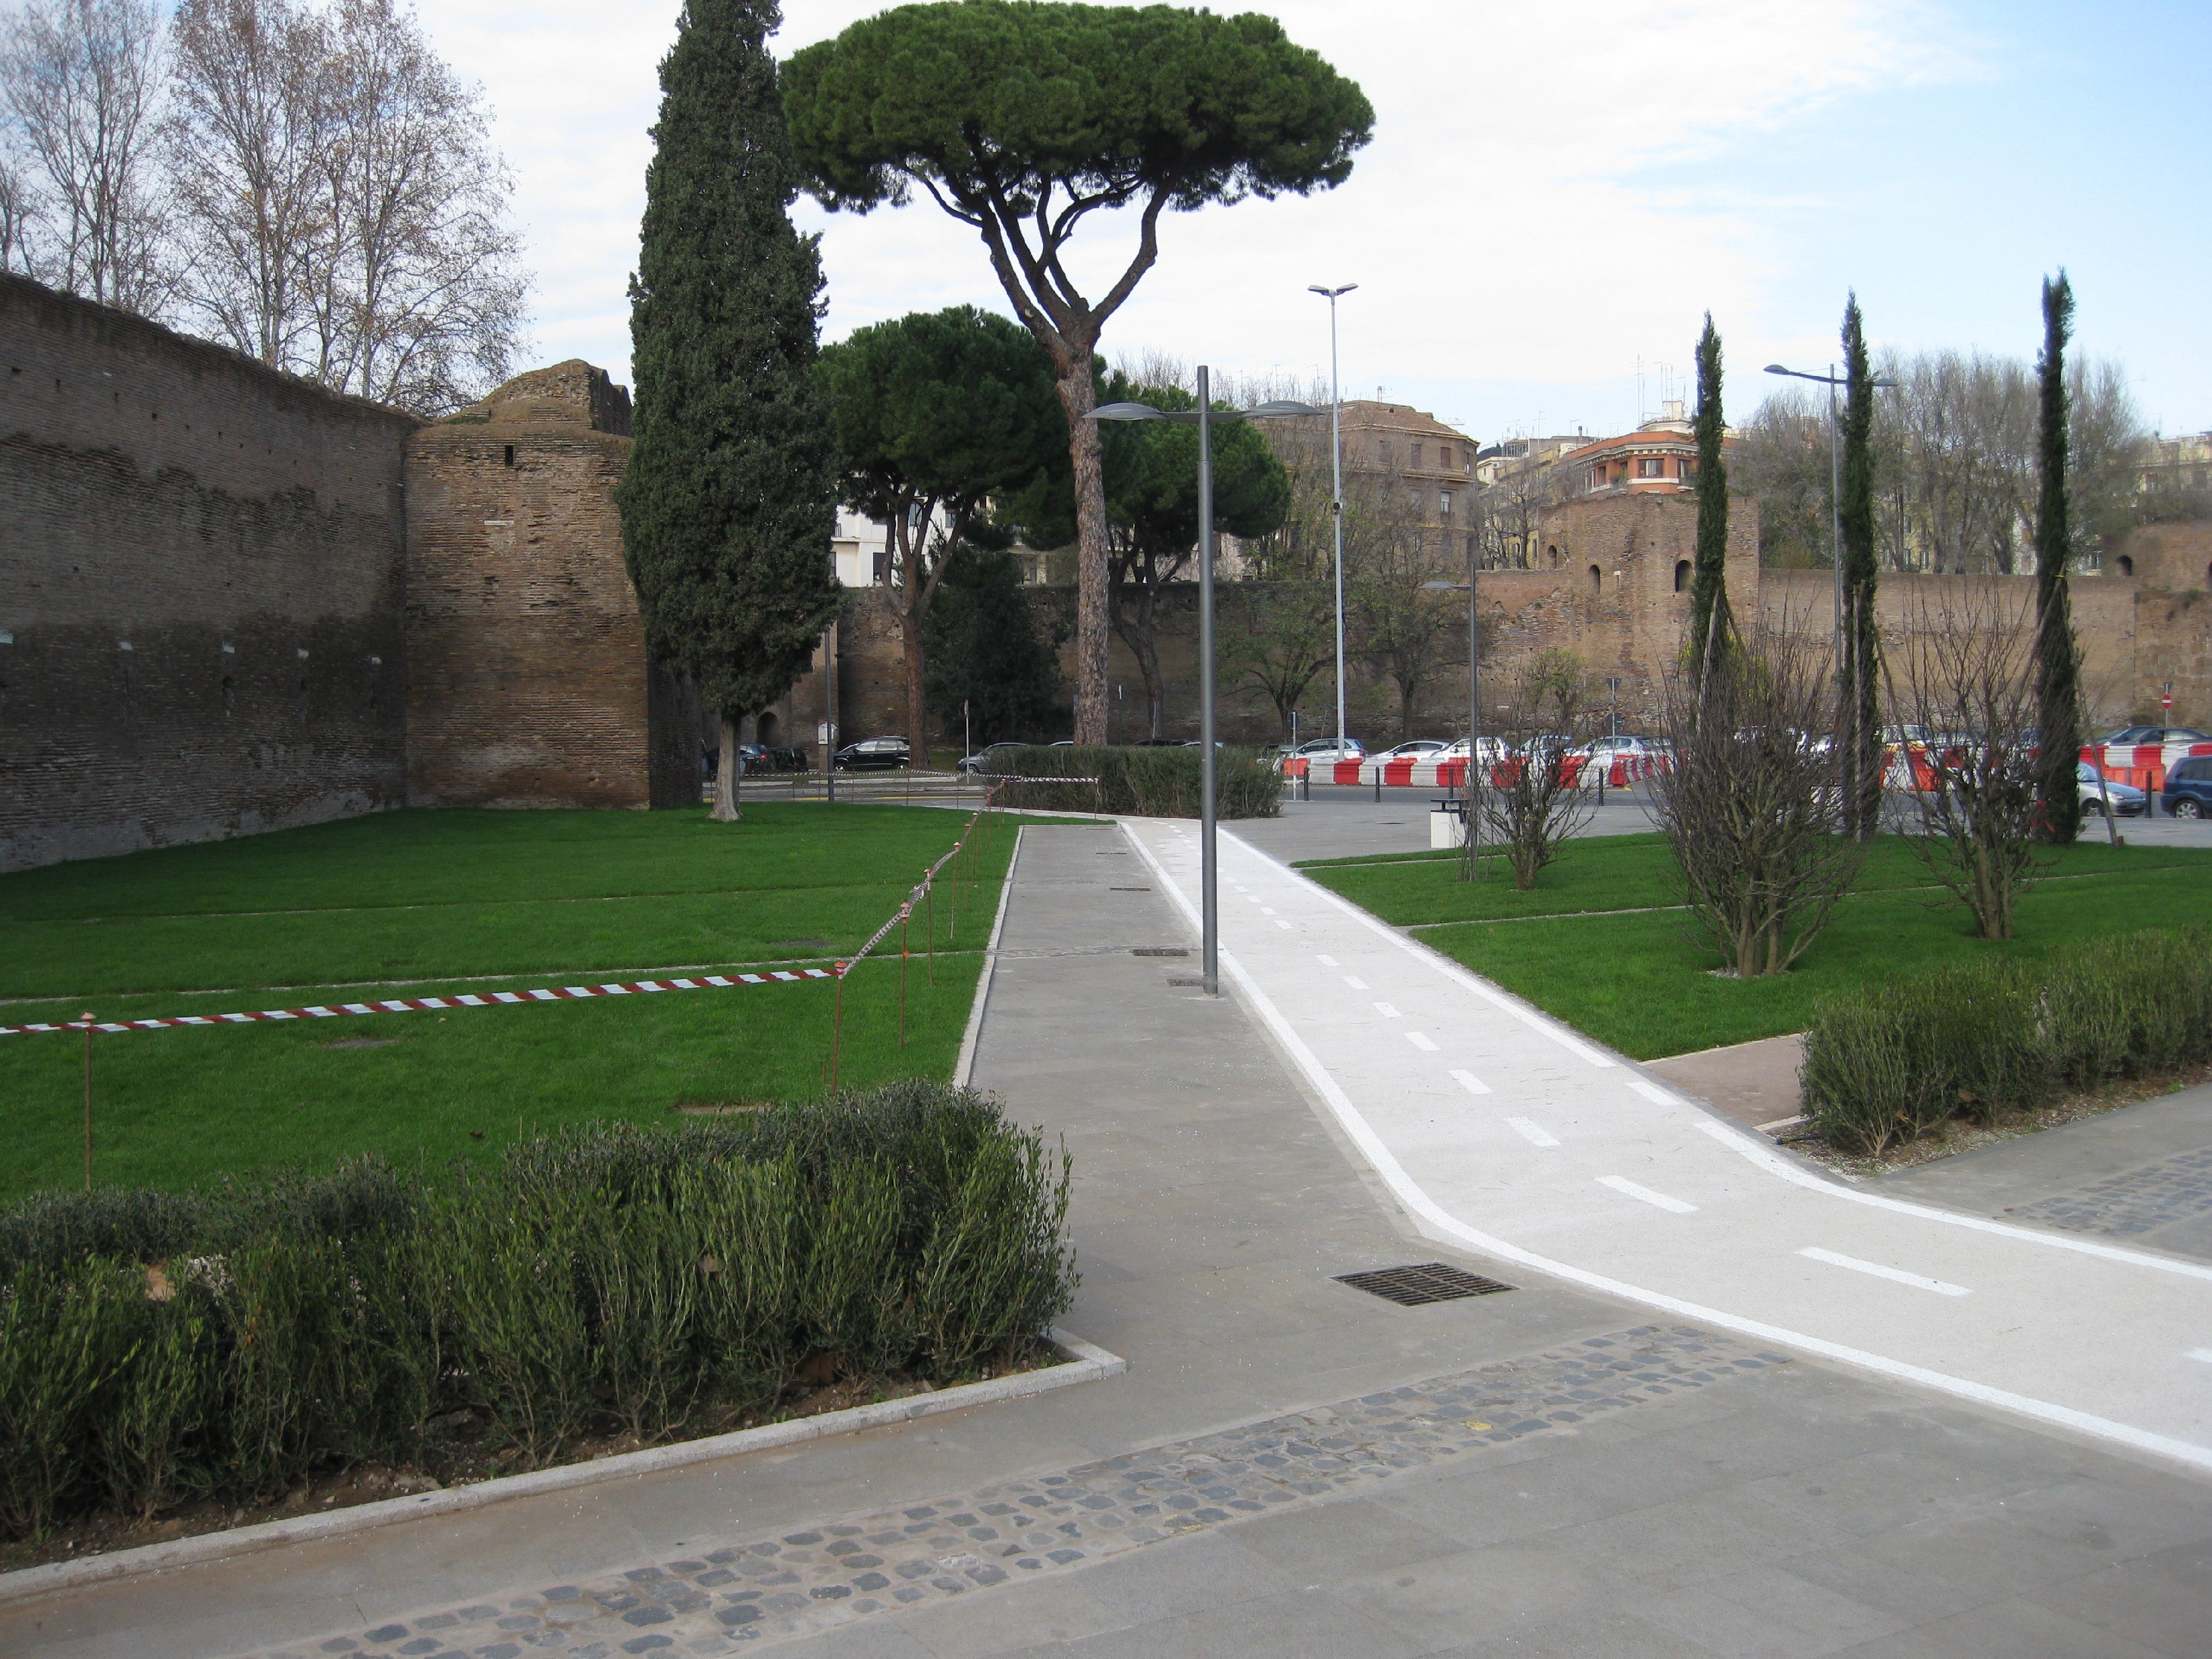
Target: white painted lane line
x: 1421, y: 1040
x: 1471, y: 1083
x: 2204, y: 1354
x: 1280, y: 923
x: 1623, y: 1184
x: 1895, y: 1275
x: 1355, y: 981
x: 1387, y: 1012
x: 1653, y: 1091
x: 1327, y: 961
x: 1266, y: 910
x: 1426, y: 1208
x: 1536, y: 1136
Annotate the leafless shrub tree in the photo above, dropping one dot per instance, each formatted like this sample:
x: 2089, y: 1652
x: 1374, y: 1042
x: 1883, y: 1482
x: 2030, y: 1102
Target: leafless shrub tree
x: 82, y: 83
x: 1967, y: 686
x: 1749, y: 805
x: 1530, y: 802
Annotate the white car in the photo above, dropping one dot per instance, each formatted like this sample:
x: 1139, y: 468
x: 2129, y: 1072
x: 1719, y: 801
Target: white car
x: 1419, y: 749
x: 2096, y: 789
x: 1325, y: 750
x: 1493, y: 751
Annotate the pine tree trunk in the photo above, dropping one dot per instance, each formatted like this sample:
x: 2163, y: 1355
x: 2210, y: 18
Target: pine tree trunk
x: 727, y: 805
x: 1078, y: 396
x: 917, y: 714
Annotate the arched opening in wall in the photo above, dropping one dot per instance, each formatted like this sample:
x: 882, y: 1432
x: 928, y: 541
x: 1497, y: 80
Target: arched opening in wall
x: 1597, y: 579
x: 1681, y: 575
x: 2127, y: 565
x: 770, y: 731
x: 1553, y: 554
x: 229, y: 695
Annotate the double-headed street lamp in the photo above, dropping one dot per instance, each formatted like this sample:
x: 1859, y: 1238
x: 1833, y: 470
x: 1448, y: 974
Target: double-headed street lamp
x: 1203, y: 419
x: 1832, y: 380
x: 1336, y: 490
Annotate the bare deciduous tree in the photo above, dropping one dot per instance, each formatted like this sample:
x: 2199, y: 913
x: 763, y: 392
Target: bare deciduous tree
x: 1974, y: 807
x: 82, y: 83
x: 1531, y: 801
x: 1750, y: 804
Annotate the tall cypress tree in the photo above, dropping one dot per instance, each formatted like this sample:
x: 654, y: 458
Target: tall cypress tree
x: 1711, y: 624
x: 1858, y: 711
x: 730, y: 498
x: 2057, y: 655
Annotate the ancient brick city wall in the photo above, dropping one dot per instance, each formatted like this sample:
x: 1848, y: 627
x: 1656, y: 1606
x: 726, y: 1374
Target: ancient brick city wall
x: 527, y: 683
x: 201, y: 571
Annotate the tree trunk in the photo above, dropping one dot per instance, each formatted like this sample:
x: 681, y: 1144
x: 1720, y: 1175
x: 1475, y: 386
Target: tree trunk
x: 726, y: 775
x: 917, y: 716
x: 1138, y: 630
x: 1078, y: 396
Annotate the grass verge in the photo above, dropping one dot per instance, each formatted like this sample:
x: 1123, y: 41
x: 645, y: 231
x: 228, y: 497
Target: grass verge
x: 1601, y: 943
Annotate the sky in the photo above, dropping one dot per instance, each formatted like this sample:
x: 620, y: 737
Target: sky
x: 1554, y: 198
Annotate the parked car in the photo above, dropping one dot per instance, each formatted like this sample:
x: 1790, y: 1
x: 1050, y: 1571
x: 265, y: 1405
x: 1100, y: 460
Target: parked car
x: 871, y: 754
x: 2096, y: 789
x: 1417, y: 749
x: 2188, y: 791
x: 1493, y: 751
x: 753, y: 758
x: 1326, y: 750
x: 987, y: 758
x: 2139, y: 735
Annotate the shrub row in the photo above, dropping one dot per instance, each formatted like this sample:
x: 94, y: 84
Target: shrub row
x: 1159, y: 783
x: 1893, y: 1061
x: 158, y: 1347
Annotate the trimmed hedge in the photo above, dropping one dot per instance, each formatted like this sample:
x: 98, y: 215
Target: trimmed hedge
x: 1886, y: 1065
x: 157, y: 1347
x: 1156, y: 783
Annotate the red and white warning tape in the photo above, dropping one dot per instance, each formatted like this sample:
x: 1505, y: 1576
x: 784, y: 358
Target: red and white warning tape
x: 417, y: 1005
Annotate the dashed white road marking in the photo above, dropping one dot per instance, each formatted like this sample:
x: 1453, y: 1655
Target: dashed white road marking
x: 1471, y: 1083
x: 1535, y: 1134
x: 1387, y: 1012
x: 2204, y: 1354
x: 1327, y: 961
x: 1623, y: 1184
x: 1266, y: 910
x: 1355, y: 981
x: 1421, y: 1040
x: 1895, y: 1275
x: 1653, y: 1091
x: 1280, y: 923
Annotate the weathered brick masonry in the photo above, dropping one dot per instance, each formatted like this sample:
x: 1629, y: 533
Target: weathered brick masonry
x: 527, y: 683
x: 201, y: 572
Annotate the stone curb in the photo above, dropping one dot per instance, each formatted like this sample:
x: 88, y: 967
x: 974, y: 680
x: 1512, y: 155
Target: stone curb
x: 1088, y: 1364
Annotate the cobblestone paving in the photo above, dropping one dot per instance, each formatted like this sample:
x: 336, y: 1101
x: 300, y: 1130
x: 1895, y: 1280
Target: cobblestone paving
x: 2135, y: 1201
x: 721, y: 1600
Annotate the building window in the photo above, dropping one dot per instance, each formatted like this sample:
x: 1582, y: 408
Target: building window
x: 1387, y: 450
x: 1597, y: 579
x: 1414, y: 498
x: 1443, y: 502
x: 1597, y: 478
x: 510, y: 455
x: 1681, y: 575
x: 1444, y: 456
x: 2127, y: 565
x: 1650, y: 466
x: 1417, y: 454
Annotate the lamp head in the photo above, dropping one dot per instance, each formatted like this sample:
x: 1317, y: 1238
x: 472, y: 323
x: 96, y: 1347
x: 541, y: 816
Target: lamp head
x: 1776, y: 369
x: 1125, y: 412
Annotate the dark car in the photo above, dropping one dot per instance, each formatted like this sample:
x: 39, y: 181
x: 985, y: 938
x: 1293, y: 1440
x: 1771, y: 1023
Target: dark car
x: 2188, y: 793
x: 989, y: 757
x: 872, y: 754
x: 789, y: 760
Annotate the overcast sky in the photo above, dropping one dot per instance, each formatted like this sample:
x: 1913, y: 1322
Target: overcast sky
x: 1553, y: 193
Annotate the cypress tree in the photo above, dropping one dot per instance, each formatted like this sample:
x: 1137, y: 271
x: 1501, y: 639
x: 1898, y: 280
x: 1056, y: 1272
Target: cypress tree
x: 1711, y: 624
x: 729, y: 501
x: 2057, y: 656
x: 1859, y: 715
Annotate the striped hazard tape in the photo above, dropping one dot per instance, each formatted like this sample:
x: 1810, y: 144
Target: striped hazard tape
x: 417, y: 1005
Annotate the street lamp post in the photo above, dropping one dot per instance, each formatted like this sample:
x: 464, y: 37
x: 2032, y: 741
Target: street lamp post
x: 1203, y: 419
x: 1336, y: 491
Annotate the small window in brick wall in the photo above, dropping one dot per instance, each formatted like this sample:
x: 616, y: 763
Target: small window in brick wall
x: 510, y: 455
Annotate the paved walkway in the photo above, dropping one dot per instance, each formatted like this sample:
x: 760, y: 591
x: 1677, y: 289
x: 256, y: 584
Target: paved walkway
x: 1291, y: 1467
x: 1512, y: 1136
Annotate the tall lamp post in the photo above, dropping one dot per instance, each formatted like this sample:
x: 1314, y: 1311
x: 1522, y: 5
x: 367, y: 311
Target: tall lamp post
x: 1203, y: 419
x: 1336, y: 490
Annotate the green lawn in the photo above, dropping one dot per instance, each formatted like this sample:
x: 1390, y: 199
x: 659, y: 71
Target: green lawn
x: 430, y: 903
x: 1644, y: 982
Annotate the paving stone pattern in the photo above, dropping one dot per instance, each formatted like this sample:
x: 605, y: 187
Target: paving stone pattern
x: 2134, y: 1201
x: 722, y: 1600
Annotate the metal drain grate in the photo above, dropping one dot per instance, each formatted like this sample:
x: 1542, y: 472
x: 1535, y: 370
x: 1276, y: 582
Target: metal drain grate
x: 1429, y: 1281
x: 1159, y: 951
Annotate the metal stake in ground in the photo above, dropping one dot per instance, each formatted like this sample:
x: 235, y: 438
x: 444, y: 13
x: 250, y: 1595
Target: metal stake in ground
x: 904, y: 911
x: 87, y: 1099
x: 929, y: 900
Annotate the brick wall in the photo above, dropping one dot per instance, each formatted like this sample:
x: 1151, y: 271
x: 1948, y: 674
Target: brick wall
x: 527, y: 683
x: 200, y: 587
